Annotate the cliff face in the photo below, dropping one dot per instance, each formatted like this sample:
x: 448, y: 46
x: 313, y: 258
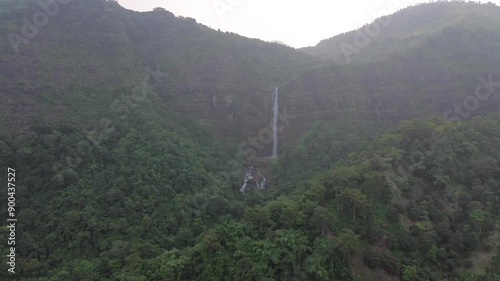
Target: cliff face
x: 88, y: 60
x: 228, y: 80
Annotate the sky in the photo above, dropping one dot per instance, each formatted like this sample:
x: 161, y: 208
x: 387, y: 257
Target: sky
x: 297, y: 23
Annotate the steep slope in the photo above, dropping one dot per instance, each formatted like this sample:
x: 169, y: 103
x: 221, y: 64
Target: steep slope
x: 380, y: 210
x: 407, y: 28
x: 104, y: 170
x: 227, y: 80
x: 107, y: 171
x: 73, y: 68
x: 92, y: 53
x: 452, y: 73
x: 109, y: 119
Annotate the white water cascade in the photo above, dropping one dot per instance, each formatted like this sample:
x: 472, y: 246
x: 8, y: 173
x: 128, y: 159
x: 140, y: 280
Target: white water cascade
x: 260, y: 181
x: 275, y: 123
x: 248, y: 177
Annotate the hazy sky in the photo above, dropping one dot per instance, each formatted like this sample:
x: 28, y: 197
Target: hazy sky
x: 298, y: 23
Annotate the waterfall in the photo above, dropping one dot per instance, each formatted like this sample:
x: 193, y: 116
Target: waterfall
x: 260, y: 181
x: 248, y: 177
x: 275, y: 123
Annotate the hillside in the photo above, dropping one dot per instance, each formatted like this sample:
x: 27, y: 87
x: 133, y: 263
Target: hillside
x: 448, y: 66
x: 408, y: 28
x: 131, y: 133
x: 379, y: 215
x: 227, y: 80
x: 99, y: 46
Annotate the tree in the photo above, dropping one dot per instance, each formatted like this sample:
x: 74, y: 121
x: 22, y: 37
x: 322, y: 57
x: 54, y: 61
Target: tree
x: 316, y: 191
x: 478, y: 215
x: 375, y: 185
x: 354, y: 199
x: 347, y: 243
x: 409, y: 273
x: 322, y: 219
x: 258, y: 217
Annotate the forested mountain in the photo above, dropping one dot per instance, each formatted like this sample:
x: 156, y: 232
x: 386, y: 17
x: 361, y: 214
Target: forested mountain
x: 227, y: 80
x: 427, y: 59
x: 380, y: 214
x: 407, y: 28
x: 131, y: 133
x: 97, y: 46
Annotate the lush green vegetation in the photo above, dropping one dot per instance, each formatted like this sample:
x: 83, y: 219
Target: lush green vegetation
x: 170, y: 212
x: 122, y: 129
x: 94, y: 209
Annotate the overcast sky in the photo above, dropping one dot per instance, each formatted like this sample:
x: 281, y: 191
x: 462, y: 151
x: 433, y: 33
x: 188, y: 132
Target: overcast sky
x: 298, y: 23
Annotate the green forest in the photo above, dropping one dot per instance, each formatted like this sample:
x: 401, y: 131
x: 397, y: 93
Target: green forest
x: 128, y: 130
x: 401, y: 203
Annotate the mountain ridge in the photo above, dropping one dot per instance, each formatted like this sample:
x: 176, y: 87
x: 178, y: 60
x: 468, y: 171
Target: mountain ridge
x: 131, y: 134
x: 364, y: 44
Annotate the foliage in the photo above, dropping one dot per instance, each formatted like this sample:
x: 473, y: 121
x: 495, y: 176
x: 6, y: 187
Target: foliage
x: 138, y: 191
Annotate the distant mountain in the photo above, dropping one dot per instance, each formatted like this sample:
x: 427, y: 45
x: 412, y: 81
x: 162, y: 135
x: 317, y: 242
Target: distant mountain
x: 130, y: 132
x: 406, y: 29
x: 429, y: 60
x: 96, y: 47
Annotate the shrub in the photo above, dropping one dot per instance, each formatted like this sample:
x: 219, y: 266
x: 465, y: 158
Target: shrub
x: 372, y: 258
x: 391, y: 264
